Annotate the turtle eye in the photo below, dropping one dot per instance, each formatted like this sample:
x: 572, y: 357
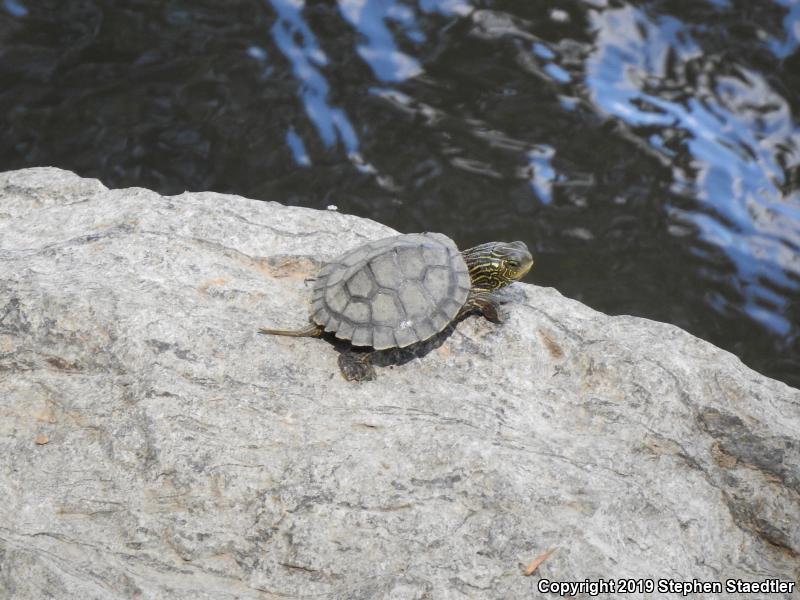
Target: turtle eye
x: 513, y: 263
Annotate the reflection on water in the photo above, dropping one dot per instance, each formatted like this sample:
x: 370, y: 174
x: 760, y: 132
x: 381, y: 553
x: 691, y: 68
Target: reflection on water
x: 647, y: 150
x: 14, y: 8
x: 542, y: 172
x: 786, y: 44
x: 299, y: 45
x: 378, y: 48
x: 729, y: 144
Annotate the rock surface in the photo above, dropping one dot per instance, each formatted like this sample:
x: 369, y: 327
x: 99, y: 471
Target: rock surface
x: 153, y: 445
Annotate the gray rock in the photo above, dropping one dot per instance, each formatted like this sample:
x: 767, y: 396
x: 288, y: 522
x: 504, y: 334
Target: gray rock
x: 153, y: 445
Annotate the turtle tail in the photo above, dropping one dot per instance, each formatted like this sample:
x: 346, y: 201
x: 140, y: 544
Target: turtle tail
x: 311, y: 330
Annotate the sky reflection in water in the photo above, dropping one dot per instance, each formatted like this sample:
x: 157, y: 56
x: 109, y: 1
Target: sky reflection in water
x: 299, y: 45
x: 378, y: 49
x: 14, y: 8
x: 737, y: 134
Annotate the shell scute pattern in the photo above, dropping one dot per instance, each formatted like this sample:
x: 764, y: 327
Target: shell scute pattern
x: 355, y: 256
x: 436, y: 281
x: 411, y: 262
x: 336, y: 276
x: 405, y: 337
x: 387, y: 273
x: 424, y: 329
x: 335, y: 298
x: 439, y: 320
x: 358, y: 312
x: 361, y: 284
x: 449, y: 305
x: 414, y: 299
x: 392, y: 292
x: 382, y: 336
x: 346, y: 330
x: 435, y: 256
x: 385, y: 308
x: 332, y: 324
x: 362, y: 336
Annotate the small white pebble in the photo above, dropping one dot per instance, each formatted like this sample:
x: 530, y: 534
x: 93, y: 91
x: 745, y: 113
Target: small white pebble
x: 332, y: 207
x: 559, y: 16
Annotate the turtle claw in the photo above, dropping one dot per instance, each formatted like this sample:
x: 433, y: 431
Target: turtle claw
x: 494, y: 314
x: 356, y: 366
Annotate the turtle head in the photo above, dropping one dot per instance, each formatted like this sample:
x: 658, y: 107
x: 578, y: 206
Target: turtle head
x: 496, y: 264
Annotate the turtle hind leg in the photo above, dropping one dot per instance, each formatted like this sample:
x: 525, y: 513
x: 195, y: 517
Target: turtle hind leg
x: 311, y: 330
x: 356, y: 366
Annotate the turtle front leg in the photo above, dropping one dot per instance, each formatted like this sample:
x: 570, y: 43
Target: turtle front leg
x: 484, y: 303
x: 356, y: 366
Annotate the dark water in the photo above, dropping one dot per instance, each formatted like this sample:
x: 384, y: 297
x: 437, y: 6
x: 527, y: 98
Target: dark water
x: 647, y: 152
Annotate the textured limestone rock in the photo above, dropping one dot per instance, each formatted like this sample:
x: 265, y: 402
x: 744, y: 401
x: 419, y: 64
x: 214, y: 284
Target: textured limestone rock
x: 153, y: 445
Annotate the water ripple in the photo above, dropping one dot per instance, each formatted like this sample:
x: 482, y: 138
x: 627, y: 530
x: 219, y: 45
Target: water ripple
x: 730, y: 144
x: 299, y: 45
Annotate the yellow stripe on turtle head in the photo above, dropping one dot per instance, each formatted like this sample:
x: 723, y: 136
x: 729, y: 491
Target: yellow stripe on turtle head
x: 496, y: 264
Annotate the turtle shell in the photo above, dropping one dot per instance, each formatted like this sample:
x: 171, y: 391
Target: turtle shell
x: 392, y: 292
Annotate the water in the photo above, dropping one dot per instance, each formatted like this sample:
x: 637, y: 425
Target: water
x: 647, y: 152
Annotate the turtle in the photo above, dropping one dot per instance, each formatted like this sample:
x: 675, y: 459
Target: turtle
x: 403, y: 290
